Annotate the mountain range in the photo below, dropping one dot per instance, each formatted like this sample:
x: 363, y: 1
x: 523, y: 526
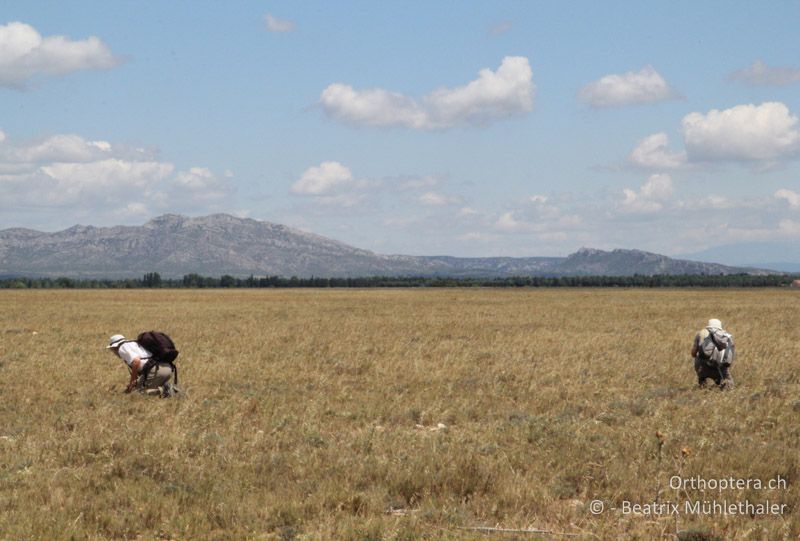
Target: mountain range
x: 220, y: 244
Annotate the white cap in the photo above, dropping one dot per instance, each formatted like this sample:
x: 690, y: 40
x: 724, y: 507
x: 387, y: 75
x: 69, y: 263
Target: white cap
x: 115, y: 341
x: 714, y: 324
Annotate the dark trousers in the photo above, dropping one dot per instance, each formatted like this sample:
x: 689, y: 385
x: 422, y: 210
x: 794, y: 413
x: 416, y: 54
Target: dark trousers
x: 721, y: 374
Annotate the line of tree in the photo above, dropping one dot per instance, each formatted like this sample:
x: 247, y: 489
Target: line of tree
x: 154, y: 280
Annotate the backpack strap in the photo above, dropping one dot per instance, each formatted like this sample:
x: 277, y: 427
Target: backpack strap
x: 717, y: 344
x: 146, y: 366
x: 151, y: 362
x: 701, y: 354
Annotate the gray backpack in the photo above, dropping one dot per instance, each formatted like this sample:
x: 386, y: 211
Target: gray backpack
x: 716, y: 348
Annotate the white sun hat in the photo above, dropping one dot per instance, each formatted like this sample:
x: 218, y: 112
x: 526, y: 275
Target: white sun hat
x: 115, y: 341
x: 714, y: 324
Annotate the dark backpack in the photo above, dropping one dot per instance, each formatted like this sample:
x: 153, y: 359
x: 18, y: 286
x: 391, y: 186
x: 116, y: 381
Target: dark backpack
x: 162, y: 349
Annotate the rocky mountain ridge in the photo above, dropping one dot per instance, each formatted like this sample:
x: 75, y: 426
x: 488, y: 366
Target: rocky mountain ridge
x: 219, y: 244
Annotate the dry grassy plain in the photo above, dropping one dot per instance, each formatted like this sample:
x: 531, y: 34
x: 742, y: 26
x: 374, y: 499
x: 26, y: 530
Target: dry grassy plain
x: 309, y: 414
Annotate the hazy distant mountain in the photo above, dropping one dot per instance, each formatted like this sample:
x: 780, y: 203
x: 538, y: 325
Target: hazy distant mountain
x: 220, y: 244
x: 780, y: 256
x: 588, y: 261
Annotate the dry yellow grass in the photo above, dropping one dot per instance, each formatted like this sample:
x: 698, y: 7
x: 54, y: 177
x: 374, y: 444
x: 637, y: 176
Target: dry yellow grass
x: 301, y: 415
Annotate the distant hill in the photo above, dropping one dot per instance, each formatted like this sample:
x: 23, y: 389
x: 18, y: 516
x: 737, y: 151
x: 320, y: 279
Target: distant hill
x: 588, y: 261
x: 221, y: 244
x: 781, y: 256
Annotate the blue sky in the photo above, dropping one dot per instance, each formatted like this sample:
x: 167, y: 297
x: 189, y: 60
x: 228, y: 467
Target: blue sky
x: 502, y: 128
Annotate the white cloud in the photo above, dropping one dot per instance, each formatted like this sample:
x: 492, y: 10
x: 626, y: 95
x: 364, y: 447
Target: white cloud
x: 88, y: 185
x: 515, y: 222
x: 111, y: 174
x: 538, y: 216
x: 759, y: 233
x: 494, y: 95
x: 657, y: 187
x: 323, y: 179
x: 2, y: 136
x: 201, y: 184
x: 650, y: 197
x: 24, y: 54
x: 652, y: 152
x: 437, y: 199
x: 136, y: 209
x: 711, y: 202
x: 635, y: 203
x: 477, y: 236
x: 275, y: 24
x: 793, y: 198
x: 535, y: 216
x: 195, y: 178
x: 509, y: 222
x: 374, y: 107
x: 105, y: 146
x: 720, y: 202
x: 760, y: 74
x: 94, y: 177
x: 332, y: 184
x: 631, y: 88
x: 508, y: 91
x: 57, y: 148
x: 766, y: 132
x: 540, y: 208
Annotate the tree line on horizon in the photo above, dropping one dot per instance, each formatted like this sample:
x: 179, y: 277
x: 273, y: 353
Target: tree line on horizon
x: 153, y: 280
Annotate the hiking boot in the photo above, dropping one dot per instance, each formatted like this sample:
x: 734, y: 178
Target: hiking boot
x: 166, y: 390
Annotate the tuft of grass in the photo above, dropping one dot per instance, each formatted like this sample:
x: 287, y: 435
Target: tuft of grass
x: 698, y: 534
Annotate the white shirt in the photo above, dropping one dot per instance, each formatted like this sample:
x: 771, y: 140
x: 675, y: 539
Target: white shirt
x: 130, y: 350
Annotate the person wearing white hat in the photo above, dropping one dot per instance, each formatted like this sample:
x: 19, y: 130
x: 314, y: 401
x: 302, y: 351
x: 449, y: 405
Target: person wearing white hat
x: 135, y: 356
x: 713, y: 352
